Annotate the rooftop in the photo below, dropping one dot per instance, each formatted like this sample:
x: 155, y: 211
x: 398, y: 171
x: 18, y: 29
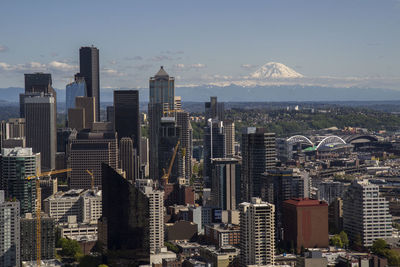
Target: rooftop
x: 306, y: 202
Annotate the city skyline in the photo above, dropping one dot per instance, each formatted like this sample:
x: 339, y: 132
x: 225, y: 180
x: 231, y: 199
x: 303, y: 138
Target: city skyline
x: 355, y: 46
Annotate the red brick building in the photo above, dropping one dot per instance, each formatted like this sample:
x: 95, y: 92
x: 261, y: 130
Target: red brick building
x: 305, y: 223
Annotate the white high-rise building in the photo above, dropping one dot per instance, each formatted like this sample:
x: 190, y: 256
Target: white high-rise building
x: 366, y: 213
x: 9, y: 232
x: 156, y: 212
x: 257, y: 233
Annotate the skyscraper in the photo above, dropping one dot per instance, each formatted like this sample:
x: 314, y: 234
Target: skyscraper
x: 366, y: 213
x: 41, y: 129
x: 214, y: 146
x: 156, y: 212
x: 89, y: 105
x: 127, y: 116
x: 37, y: 83
x: 129, y: 160
x: 89, y: 69
x: 17, y: 164
x: 161, y: 99
x: 74, y: 89
x: 125, y: 220
x: 229, y: 128
x: 186, y: 138
x: 214, y: 110
x: 87, y: 151
x: 9, y: 233
x: 258, y: 156
x: 257, y: 233
x: 225, y: 190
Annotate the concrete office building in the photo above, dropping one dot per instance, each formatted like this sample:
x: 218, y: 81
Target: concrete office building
x: 78, y: 231
x: 225, y: 180
x: 89, y: 106
x: 156, y: 213
x: 73, y: 90
x: 89, y: 69
x: 257, y: 233
x: 36, y: 83
x: 41, y: 128
x: 366, y: 213
x: 258, y: 156
x: 86, y: 205
x: 127, y: 116
x: 15, y: 128
x: 87, y: 150
x: 9, y: 232
x: 28, y: 237
x: 17, y: 164
x: 305, y: 223
x: 229, y: 128
x: 129, y: 160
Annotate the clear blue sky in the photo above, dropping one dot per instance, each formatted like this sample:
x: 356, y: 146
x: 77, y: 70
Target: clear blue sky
x: 197, y: 40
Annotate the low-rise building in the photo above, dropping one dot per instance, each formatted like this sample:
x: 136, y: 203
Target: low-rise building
x: 222, y: 257
x: 222, y: 235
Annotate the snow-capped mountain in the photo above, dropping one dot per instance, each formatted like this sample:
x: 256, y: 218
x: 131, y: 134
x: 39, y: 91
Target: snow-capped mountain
x: 275, y: 70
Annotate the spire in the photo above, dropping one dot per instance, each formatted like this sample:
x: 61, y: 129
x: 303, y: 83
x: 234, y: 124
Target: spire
x: 162, y: 72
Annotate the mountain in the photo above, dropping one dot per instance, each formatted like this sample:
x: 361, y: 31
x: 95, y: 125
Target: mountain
x: 275, y: 70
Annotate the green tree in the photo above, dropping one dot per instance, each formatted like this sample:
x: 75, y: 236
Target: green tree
x: 379, y: 246
x: 336, y: 241
x: 69, y: 248
x: 344, y: 239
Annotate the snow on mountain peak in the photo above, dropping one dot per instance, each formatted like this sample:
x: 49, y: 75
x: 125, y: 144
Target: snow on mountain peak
x: 275, y: 70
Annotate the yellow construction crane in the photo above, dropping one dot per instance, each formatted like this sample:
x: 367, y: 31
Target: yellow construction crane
x: 91, y: 178
x: 171, y: 163
x: 39, y: 208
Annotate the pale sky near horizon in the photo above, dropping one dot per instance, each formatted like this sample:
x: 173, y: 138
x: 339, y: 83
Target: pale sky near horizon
x: 200, y: 41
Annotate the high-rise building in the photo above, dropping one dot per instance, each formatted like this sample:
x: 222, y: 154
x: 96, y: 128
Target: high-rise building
x: 74, y: 89
x: 305, y: 223
x: 214, y: 110
x: 257, y: 233
x: 110, y: 115
x: 17, y: 164
x: 156, y: 212
x: 87, y: 150
x: 282, y: 184
x: 162, y: 89
x: 9, y: 232
x: 169, y: 136
x: 129, y: 161
x: 365, y: 213
x: 89, y: 70
x: 28, y: 237
x: 127, y: 116
x: 178, y: 103
x: 161, y: 101
x: 229, y: 128
x: 186, y: 139
x: 125, y: 220
x: 15, y: 128
x: 89, y: 106
x: 335, y: 215
x: 225, y: 180
x: 258, y: 156
x: 76, y: 118
x: 36, y: 83
x: 144, y: 156
x: 41, y: 128
x: 214, y: 146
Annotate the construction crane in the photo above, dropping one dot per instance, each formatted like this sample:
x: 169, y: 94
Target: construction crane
x: 166, y: 175
x: 91, y: 178
x: 39, y: 208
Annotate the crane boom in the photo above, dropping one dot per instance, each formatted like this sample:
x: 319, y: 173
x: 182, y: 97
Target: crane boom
x: 91, y: 178
x: 39, y: 208
x: 171, y: 163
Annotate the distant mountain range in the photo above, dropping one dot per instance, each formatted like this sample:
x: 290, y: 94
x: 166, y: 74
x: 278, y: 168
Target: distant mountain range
x: 235, y: 93
x: 275, y: 70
